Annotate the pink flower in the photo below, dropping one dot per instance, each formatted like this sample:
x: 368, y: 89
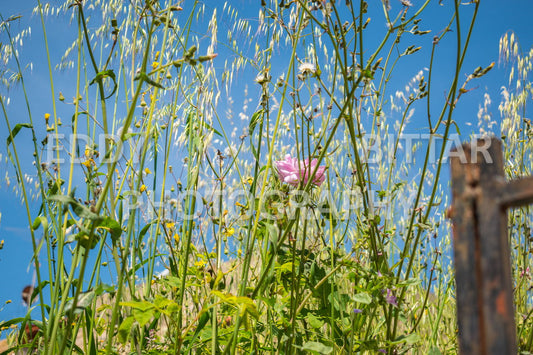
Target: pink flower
x: 525, y: 272
x: 319, y: 176
x: 293, y: 172
x: 288, y: 170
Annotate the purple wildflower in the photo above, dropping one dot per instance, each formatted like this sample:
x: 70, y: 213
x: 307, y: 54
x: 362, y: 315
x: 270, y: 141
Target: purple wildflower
x: 390, y: 298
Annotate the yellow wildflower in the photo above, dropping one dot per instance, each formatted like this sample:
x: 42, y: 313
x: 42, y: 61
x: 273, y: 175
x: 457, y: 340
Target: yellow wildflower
x: 88, y: 151
x: 88, y: 163
x: 170, y: 225
x: 143, y: 188
x: 199, y: 263
x: 228, y: 232
x: 147, y: 171
x: 46, y: 117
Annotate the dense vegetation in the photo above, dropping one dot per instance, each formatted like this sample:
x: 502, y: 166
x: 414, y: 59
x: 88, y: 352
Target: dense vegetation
x: 215, y: 181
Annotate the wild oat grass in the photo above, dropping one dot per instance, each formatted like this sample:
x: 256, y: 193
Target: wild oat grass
x: 163, y: 224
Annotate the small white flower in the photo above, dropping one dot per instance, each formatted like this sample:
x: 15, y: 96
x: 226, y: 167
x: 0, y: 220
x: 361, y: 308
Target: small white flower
x: 307, y: 68
x: 406, y: 3
x: 262, y: 78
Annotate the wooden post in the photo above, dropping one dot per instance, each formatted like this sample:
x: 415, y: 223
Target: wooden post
x: 484, y: 287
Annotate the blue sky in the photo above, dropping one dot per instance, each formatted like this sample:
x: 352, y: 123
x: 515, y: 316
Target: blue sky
x: 495, y: 18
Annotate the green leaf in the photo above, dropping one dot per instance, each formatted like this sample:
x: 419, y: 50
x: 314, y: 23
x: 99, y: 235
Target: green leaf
x: 162, y: 302
x: 84, y: 301
x: 143, y: 317
x: 410, y: 339
x: 10, y: 138
x: 83, y: 211
x: 8, y: 323
x: 272, y: 232
x: 204, y: 319
x: 314, y: 321
x: 172, y: 281
x: 112, y: 226
x: 85, y: 240
x: 53, y: 187
x: 140, y: 305
x: 286, y: 267
x: 143, y: 311
x: 103, y: 288
x: 247, y: 306
x: 363, y: 298
x: 244, y: 304
x: 124, y: 329
x: 225, y: 298
x: 144, y: 77
x: 254, y: 152
x: 143, y: 231
x: 16, y: 130
x: 38, y: 289
x: 79, y: 209
x: 106, y: 74
x: 211, y: 128
x: 61, y: 198
x: 434, y: 351
x: 338, y: 300
x: 165, y: 305
x: 409, y: 282
x: 256, y: 118
x: 38, y: 221
x: 73, y: 119
x: 317, y: 348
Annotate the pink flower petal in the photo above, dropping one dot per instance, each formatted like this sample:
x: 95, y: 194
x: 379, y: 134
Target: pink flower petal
x: 292, y: 172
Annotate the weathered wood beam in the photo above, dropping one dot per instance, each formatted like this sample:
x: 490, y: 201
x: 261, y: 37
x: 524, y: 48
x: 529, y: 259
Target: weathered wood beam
x: 485, y: 310
x: 517, y: 192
